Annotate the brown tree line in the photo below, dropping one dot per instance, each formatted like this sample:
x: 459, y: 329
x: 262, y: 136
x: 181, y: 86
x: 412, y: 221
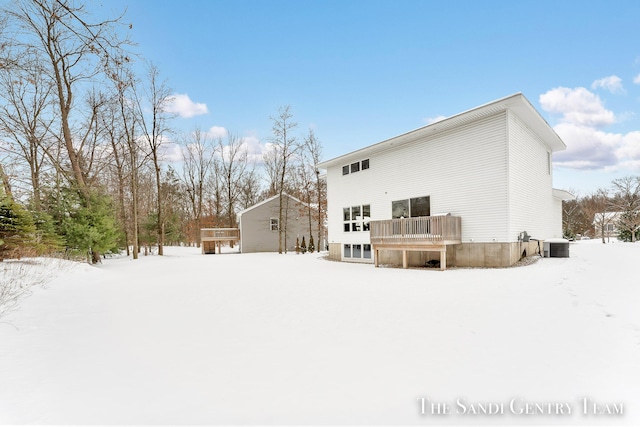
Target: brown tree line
x: 83, y: 142
x: 595, y: 214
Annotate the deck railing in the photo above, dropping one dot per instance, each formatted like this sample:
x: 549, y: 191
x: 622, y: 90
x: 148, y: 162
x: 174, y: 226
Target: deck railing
x: 213, y: 234
x: 420, y: 230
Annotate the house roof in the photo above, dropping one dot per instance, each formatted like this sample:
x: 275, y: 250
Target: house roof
x: 267, y: 201
x: 562, y: 194
x: 516, y: 103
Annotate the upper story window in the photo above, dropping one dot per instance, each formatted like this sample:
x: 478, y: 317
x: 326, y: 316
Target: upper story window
x: 355, y: 167
x: 356, y: 218
x: 275, y: 224
x: 418, y: 206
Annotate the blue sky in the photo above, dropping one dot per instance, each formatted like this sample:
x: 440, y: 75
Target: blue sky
x: 359, y: 72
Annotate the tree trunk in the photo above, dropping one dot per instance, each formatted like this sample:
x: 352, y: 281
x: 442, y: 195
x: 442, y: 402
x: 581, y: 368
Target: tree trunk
x: 160, y: 219
x: 5, y: 183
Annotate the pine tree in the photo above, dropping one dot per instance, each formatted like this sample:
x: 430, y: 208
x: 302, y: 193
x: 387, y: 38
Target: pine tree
x: 303, y: 246
x: 47, y: 239
x: 298, y: 245
x: 17, y: 231
x: 92, y: 228
x: 312, y: 247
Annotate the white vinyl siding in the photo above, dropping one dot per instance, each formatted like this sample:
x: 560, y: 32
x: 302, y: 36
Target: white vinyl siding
x: 463, y: 170
x: 531, y: 203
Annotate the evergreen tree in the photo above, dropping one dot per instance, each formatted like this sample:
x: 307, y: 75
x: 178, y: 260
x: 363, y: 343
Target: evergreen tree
x: 92, y: 228
x: 312, y: 247
x: 298, y: 245
x: 47, y: 239
x: 303, y: 246
x: 17, y: 231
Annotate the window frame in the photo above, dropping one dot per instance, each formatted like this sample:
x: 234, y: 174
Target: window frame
x: 408, y: 203
x: 353, y: 222
x: 277, y: 224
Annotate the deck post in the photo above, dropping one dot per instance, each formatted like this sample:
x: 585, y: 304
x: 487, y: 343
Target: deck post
x: 443, y: 259
x: 404, y: 259
x: 375, y: 257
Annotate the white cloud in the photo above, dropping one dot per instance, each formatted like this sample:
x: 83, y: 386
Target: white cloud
x: 431, y: 120
x: 636, y: 79
x: 183, y: 106
x: 630, y: 146
x: 611, y: 83
x: 588, y: 146
x: 171, y: 152
x: 577, y: 106
x: 255, y: 149
x: 250, y: 144
x: 216, y: 132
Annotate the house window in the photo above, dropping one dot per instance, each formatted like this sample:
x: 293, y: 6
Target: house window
x: 418, y: 206
x: 366, y: 217
x: 356, y: 218
x: 275, y: 224
x: 347, y: 251
x: 366, y: 251
x: 357, y: 251
x: 355, y: 167
x: 400, y: 209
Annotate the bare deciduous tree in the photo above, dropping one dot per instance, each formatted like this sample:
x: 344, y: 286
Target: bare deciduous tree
x: 25, y: 117
x: 249, y: 188
x: 284, y: 148
x: 198, y: 153
x: 234, y: 165
x: 75, y: 51
x: 313, y: 148
x: 155, y: 129
x: 627, y: 203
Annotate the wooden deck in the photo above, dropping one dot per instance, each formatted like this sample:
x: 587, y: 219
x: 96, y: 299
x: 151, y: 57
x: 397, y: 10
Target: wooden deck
x: 212, y: 237
x: 425, y: 234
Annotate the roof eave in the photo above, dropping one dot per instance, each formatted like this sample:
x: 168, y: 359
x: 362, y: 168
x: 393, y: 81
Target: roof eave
x: 516, y: 102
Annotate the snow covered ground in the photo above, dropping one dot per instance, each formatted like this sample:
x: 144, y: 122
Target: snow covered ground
x: 296, y: 339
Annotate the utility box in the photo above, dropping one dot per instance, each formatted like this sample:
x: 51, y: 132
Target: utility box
x: 556, y: 248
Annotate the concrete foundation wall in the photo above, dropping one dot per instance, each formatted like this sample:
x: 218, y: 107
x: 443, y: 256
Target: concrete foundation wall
x: 467, y: 255
x: 335, y: 251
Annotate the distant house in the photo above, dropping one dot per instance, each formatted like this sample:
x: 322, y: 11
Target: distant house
x: 605, y: 224
x: 259, y: 225
x: 459, y: 192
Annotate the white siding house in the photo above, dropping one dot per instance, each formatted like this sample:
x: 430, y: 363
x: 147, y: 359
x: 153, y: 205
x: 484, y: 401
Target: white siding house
x: 489, y: 166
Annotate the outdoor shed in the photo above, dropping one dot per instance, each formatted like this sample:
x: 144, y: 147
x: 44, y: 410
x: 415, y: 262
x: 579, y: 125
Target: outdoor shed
x: 260, y: 223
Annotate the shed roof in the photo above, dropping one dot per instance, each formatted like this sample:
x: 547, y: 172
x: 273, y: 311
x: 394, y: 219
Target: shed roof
x: 517, y: 103
x: 264, y: 202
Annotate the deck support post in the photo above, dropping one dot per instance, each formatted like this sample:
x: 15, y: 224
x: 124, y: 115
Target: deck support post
x: 443, y: 259
x: 375, y: 257
x: 213, y: 238
x: 405, y: 262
